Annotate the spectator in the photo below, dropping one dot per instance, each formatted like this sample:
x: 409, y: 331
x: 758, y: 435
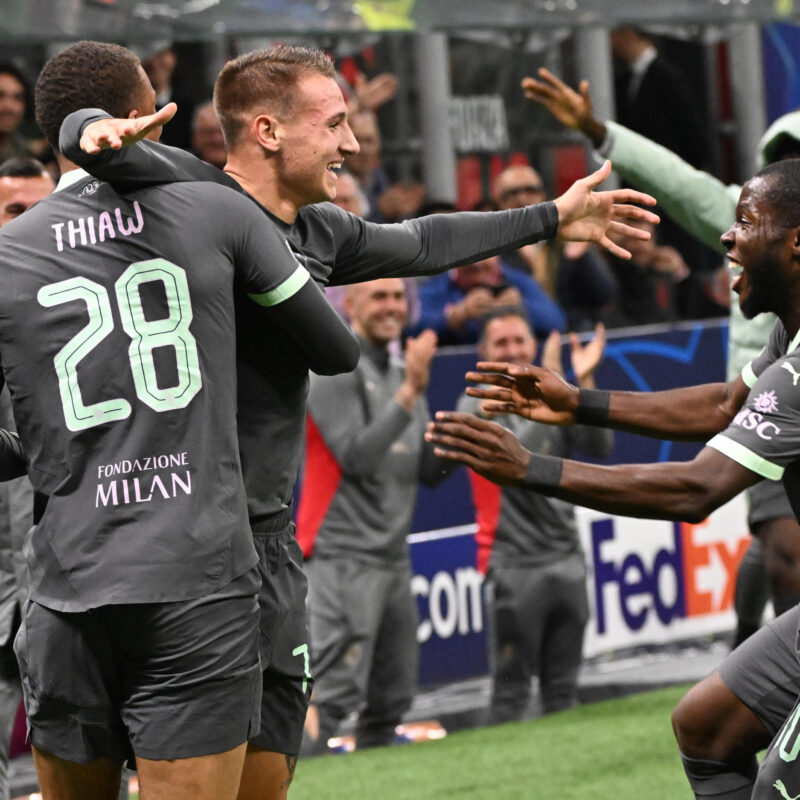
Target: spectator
x: 208, y: 142
x: 453, y: 304
x: 365, y: 166
x: 529, y: 542
x: 648, y: 89
x: 646, y: 284
x: 575, y: 274
x: 13, y: 94
x: 365, y: 455
x: 23, y: 181
x: 159, y: 61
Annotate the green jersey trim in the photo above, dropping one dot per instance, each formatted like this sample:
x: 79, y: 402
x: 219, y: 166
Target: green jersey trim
x: 747, y: 458
x: 290, y: 287
x: 748, y: 376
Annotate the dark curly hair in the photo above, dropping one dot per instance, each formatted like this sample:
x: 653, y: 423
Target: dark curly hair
x: 86, y: 75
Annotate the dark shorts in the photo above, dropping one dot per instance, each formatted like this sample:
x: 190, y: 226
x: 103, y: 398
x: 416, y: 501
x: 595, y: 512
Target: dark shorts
x: 160, y: 680
x: 768, y: 500
x: 779, y: 772
x: 283, y: 642
x: 764, y: 672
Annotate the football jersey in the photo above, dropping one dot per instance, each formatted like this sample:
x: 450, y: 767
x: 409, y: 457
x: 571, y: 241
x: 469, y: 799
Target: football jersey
x: 764, y: 436
x: 117, y: 340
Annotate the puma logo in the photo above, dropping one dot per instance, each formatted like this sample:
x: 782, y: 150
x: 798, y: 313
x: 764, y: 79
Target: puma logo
x: 789, y: 368
x: 782, y: 789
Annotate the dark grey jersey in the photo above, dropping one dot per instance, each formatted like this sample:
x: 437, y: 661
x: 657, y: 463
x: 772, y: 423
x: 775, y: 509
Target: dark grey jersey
x: 117, y: 344
x: 336, y: 248
x: 764, y: 436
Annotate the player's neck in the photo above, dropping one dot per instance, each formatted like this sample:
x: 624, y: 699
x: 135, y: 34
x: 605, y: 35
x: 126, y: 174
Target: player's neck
x: 64, y: 164
x: 264, y: 187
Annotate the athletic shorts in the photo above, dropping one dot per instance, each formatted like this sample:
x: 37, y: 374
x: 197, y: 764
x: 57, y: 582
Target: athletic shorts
x: 768, y: 500
x: 764, y: 672
x: 779, y: 771
x: 283, y: 642
x: 156, y: 680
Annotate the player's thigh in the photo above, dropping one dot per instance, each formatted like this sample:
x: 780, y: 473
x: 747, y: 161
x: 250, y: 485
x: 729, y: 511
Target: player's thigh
x: 287, y: 680
x: 67, y: 780
x: 192, y: 673
x: 266, y: 775
x: 211, y: 777
x: 71, y: 684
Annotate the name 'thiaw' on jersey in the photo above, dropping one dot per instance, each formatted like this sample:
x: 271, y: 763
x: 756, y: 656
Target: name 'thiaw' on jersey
x: 94, y: 229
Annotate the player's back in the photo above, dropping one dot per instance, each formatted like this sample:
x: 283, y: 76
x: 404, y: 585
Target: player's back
x: 117, y: 343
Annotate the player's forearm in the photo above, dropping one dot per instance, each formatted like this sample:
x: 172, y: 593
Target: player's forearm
x: 140, y: 165
x: 438, y: 242
x: 326, y: 344
x: 674, y: 491
x: 693, y: 413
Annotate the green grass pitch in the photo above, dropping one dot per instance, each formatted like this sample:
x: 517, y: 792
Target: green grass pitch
x: 621, y: 749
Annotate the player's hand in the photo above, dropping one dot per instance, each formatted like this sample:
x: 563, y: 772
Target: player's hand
x: 114, y: 134
x: 535, y: 393
x: 588, y: 216
x: 572, y: 109
x: 586, y: 358
x: 485, y: 447
x: 419, y: 354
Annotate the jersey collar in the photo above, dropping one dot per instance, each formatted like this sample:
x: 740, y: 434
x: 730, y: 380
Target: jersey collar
x: 71, y: 177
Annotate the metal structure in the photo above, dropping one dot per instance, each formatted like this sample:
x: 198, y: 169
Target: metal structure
x: 128, y: 20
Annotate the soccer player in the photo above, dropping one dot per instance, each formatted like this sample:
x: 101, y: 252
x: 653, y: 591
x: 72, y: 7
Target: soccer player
x: 117, y: 344
x: 756, y: 419
x: 285, y: 124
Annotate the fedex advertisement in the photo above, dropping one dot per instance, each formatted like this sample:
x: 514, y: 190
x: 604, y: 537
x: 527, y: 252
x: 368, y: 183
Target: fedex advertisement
x: 653, y: 581
x: 648, y: 582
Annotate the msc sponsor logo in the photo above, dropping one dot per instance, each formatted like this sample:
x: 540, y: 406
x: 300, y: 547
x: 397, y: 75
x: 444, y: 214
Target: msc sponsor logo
x: 668, y: 584
x: 754, y: 421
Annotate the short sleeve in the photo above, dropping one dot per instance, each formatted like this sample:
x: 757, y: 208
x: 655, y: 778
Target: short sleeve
x: 764, y: 436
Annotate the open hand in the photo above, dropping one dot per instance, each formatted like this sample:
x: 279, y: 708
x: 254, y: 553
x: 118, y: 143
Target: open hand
x: 531, y: 392
x: 588, y: 216
x: 485, y: 447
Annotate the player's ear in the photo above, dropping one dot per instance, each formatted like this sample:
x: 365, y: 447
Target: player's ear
x: 264, y: 128
x: 133, y: 114
x: 796, y: 242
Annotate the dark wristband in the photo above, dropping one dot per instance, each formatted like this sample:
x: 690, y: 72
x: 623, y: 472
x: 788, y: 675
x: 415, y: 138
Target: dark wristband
x: 592, y: 407
x: 543, y: 473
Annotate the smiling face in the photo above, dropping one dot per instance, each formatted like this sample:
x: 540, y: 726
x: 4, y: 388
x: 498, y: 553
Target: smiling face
x: 508, y: 339
x: 314, y: 140
x: 378, y: 309
x: 761, y: 245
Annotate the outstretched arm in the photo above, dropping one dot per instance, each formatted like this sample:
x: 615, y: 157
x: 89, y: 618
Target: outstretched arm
x: 116, y: 151
x: 676, y: 490
x: 693, y: 413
